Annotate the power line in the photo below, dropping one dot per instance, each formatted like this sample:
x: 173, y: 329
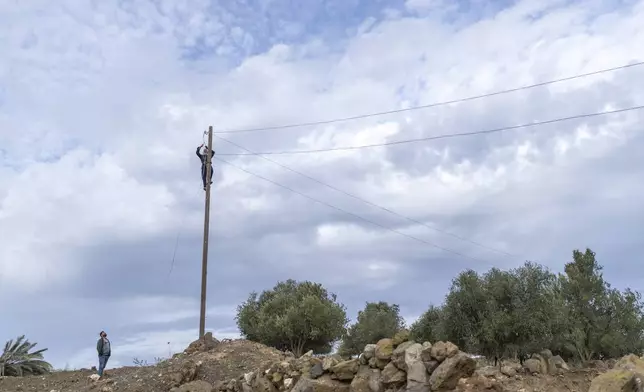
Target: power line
x: 471, y: 98
x: 367, y: 201
x: 445, y: 136
x: 176, y: 242
x: 349, y: 213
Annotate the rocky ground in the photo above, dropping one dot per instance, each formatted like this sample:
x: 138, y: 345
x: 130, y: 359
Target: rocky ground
x: 391, y: 365
x: 211, y: 363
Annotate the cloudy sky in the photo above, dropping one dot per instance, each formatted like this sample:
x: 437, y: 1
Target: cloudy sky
x: 103, y: 103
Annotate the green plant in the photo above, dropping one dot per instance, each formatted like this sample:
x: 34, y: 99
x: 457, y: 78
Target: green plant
x: 298, y: 316
x: 18, y: 361
x: 143, y: 362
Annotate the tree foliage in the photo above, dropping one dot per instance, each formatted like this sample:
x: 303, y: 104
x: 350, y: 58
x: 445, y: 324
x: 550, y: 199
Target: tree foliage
x: 378, y: 320
x: 429, y: 326
x: 499, y: 314
x: 298, y: 316
x: 18, y: 360
x: 601, y: 321
x: 525, y: 310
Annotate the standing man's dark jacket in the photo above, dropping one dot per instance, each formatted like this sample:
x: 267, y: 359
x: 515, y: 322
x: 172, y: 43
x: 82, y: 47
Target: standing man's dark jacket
x: 103, y: 346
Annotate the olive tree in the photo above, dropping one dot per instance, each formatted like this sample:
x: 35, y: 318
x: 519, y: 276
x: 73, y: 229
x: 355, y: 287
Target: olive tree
x: 295, y: 316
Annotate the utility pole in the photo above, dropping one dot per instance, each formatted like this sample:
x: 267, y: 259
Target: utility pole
x: 206, y: 228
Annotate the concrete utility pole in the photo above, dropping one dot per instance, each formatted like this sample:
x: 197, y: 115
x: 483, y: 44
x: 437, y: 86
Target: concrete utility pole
x: 206, y: 228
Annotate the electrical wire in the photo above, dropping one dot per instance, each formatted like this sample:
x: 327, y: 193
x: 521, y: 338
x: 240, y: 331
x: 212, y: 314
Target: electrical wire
x: 444, y: 136
x: 470, y: 98
x: 367, y: 201
x: 349, y: 213
x: 176, y: 243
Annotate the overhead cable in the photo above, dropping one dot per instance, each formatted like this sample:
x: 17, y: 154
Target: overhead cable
x: 444, y: 136
x: 470, y: 98
x: 415, y: 221
x: 350, y: 213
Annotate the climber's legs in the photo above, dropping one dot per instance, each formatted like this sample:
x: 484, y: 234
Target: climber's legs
x: 203, y: 175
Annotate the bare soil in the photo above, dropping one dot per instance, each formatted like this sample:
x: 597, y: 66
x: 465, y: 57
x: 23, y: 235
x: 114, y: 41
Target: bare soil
x: 577, y: 380
x: 226, y: 361
x: 231, y: 359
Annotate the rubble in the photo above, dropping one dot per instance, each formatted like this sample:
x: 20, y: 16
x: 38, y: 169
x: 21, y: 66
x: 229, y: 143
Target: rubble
x: 626, y: 375
x: 389, y: 365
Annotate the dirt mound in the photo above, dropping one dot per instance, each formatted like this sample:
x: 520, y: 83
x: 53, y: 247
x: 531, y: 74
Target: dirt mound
x: 572, y: 381
x: 241, y: 365
x: 233, y: 358
x: 224, y: 360
x: 56, y: 381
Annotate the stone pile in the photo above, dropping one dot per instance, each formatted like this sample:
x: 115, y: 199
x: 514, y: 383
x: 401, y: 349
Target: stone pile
x: 396, y: 364
x: 627, y: 375
x: 545, y: 363
x: 205, y: 344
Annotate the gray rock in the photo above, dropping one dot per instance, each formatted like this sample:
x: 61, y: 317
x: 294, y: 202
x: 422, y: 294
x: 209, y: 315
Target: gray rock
x: 559, y: 363
x: 508, y: 371
x: 430, y: 366
x: 443, y: 350
x: 345, y: 370
x: 262, y: 384
x: 330, y: 361
x: 447, y: 374
x: 384, y: 349
x: 391, y: 376
x: 488, y: 372
x: 417, y: 380
x: 427, y: 352
x: 398, y: 356
x: 367, y: 380
x: 322, y: 384
x: 317, y: 370
x: 532, y: 366
x: 369, y: 351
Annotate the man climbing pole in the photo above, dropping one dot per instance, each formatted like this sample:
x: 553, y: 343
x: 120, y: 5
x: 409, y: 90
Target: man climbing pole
x: 204, y: 161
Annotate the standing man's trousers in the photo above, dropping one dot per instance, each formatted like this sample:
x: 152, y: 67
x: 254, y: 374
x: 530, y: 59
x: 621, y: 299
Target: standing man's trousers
x: 102, y: 362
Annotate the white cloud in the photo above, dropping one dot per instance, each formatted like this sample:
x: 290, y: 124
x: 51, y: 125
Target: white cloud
x: 64, y: 202
x: 164, y: 310
x: 101, y: 110
x: 145, y: 347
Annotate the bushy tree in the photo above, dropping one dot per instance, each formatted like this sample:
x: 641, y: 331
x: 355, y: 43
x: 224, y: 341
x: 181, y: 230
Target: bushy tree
x: 18, y: 360
x: 466, y: 308
x: 601, y: 321
x: 429, y: 326
x: 538, y: 311
x: 586, y: 295
x: 378, y: 320
x: 298, y: 316
x: 498, y: 313
x: 625, y: 325
x: 497, y: 324
x: 518, y: 312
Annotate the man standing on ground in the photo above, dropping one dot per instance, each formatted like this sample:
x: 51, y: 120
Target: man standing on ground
x: 104, y: 349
